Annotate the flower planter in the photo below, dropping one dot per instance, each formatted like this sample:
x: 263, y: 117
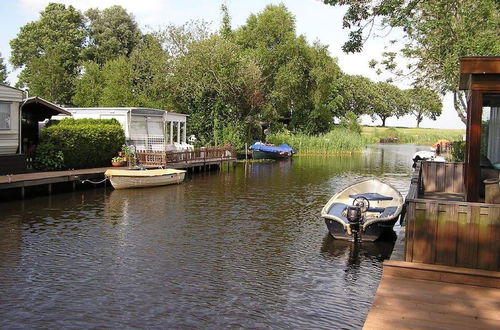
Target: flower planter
x: 117, y: 164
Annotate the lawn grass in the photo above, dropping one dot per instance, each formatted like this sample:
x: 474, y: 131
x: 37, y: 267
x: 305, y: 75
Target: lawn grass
x: 422, y: 136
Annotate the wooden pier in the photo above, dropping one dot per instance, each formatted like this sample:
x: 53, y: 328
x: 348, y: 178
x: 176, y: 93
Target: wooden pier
x: 421, y: 296
x: 197, y: 159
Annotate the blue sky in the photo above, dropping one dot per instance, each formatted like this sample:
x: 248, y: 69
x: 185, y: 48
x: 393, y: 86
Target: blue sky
x: 314, y: 19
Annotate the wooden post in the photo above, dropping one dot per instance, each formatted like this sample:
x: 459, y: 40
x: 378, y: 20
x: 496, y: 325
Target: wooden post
x: 472, y: 147
x: 49, y: 188
x: 23, y: 192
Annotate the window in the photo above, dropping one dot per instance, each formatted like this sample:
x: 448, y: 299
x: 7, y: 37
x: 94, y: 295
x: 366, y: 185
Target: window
x: 4, y: 115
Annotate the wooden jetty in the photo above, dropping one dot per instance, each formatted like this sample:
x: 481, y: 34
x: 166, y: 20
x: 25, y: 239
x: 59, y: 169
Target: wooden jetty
x: 201, y: 159
x: 421, y: 296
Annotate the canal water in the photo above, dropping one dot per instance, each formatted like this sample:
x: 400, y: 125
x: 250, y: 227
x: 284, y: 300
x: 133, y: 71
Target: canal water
x: 238, y: 248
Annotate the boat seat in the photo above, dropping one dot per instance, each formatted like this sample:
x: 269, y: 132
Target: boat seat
x: 388, y: 211
x: 337, y: 209
x: 376, y: 209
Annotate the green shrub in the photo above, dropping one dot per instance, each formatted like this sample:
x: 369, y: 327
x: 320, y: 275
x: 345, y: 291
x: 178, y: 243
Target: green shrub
x: 48, y: 158
x: 85, y: 143
x: 458, y: 151
x: 351, y: 122
x: 83, y: 121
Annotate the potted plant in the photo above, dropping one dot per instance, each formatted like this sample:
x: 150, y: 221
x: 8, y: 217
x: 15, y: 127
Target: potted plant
x: 128, y: 154
x: 117, y: 161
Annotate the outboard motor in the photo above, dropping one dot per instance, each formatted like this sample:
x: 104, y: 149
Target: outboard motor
x: 354, y: 216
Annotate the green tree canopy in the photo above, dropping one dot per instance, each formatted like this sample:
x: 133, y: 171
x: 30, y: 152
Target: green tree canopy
x: 3, y: 71
x: 389, y: 101
x: 436, y: 33
x: 48, y: 51
x: 113, y: 32
x: 88, y: 89
x: 424, y: 102
x: 117, y: 78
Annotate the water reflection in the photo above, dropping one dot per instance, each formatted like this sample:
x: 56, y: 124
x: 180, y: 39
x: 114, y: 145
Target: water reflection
x: 244, y: 248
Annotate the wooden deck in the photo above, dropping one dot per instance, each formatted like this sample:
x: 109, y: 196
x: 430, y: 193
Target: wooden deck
x: 421, y: 296
x: 39, y: 178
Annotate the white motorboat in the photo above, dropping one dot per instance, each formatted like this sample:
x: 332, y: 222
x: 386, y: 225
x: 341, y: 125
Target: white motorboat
x: 363, y: 210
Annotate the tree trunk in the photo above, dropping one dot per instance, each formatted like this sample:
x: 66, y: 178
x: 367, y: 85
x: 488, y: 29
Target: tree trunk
x: 460, y: 105
x: 383, y: 121
x: 419, y: 119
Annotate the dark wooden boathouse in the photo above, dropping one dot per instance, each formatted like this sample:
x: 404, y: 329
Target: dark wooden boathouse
x: 449, y: 278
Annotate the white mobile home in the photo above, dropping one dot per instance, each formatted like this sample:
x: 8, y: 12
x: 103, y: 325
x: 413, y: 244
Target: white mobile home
x: 19, y: 117
x: 10, y: 119
x: 146, y: 129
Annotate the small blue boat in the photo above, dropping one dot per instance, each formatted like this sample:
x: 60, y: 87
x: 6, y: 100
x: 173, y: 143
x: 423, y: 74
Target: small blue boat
x: 268, y: 151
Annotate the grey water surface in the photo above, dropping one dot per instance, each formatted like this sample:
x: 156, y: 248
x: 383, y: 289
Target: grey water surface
x: 238, y: 248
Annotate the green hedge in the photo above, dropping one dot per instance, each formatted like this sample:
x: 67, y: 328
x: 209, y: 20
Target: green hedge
x: 84, y: 143
x: 83, y: 121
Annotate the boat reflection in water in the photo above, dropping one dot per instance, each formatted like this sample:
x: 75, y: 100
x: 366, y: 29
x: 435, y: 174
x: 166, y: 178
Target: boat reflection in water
x: 357, y: 255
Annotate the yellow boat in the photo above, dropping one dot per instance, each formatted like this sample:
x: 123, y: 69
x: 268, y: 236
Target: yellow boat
x: 123, y: 179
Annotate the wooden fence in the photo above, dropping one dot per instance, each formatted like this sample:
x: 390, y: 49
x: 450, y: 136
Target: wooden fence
x: 442, y: 177
x: 451, y: 233
x: 193, y: 158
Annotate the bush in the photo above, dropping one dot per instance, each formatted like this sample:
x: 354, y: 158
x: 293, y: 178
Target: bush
x: 458, y: 151
x: 84, y: 143
x: 48, y: 158
x: 83, y: 121
x: 351, y: 122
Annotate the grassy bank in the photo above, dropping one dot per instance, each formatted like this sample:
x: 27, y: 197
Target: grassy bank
x: 423, y: 136
x: 337, y: 141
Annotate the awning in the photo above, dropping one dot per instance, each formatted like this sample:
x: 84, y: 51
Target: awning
x: 41, y: 109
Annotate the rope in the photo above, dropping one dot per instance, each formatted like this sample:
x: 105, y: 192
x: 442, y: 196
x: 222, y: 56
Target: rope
x: 94, y: 182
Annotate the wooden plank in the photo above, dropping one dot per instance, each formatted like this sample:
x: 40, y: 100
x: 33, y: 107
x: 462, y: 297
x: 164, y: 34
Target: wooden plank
x: 440, y: 176
x: 466, y: 276
x: 479, y: 65
x: 445, y: 238
x: 405, y: 303
x: 449, y: 177
x: 461, y: 251
x: 410, y: 228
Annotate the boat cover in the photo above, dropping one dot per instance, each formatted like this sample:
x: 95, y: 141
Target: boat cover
x: 267, y: 148
x: 372, y: 196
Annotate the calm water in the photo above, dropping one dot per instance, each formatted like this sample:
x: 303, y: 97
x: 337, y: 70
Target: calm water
x: 243, y: 248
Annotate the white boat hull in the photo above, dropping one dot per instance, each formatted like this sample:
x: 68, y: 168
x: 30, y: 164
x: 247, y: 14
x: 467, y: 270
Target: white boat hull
x: 135, y: 180
x: 381, y: 216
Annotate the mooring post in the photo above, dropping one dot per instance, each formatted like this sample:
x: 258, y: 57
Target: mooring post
x: 74, y: 185
x: 22, y: 192
x: 49, y: 188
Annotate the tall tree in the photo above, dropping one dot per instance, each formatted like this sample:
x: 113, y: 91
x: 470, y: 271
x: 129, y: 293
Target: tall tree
x: 436, y: 33
x: 3, y: 71
x: 48, y: 51
x: 117, y: 88
x: 424, y: 102
x: 151, y: 66
x: 113, y: 32
x: 225, y: 27
x: 359, y: 95
x: 390, y: 101
x: 88, y: 90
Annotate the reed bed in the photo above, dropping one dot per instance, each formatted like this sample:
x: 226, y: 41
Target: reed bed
x: 337, y: 141
x: 422, y: 136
